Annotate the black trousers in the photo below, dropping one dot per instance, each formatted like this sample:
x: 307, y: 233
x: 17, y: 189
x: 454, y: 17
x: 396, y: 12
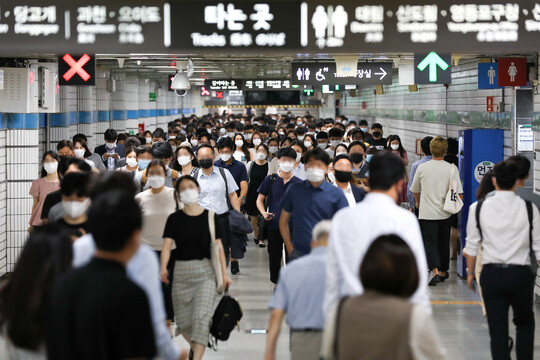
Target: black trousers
x: 436, y: 235
x: 502, y: 288
x: 225, y: 235
x: 275, y: 253
x: 167, y: 288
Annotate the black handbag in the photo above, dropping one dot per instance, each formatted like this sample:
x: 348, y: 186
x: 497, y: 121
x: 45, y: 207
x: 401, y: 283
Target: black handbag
x: 226, y: 317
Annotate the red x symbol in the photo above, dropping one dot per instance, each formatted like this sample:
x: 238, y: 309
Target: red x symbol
x: 204, y: 92
x: 76, y: 67
x: 219, y: 94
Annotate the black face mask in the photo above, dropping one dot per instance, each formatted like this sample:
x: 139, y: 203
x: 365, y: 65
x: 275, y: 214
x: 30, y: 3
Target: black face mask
x: 343, y: 176
x: 377, y: 134
x: 206, y: 163
x: 357, y: 158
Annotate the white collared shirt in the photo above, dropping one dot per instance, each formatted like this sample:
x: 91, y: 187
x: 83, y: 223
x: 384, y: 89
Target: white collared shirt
x: 348, y: 194
x: 505, y: 230
x: 213, y: 195
x: 353, y: 231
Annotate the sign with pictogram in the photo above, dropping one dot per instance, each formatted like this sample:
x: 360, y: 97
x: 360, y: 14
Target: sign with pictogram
x: 77, y: 69
x: 512, y: 71
x: 432, y: 68
x: 325, y: 73
x: 487, y: 76
x: 204, y: 92
x: 489, y: 104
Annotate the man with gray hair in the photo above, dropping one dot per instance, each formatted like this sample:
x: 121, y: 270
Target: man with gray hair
x: 299, y: 295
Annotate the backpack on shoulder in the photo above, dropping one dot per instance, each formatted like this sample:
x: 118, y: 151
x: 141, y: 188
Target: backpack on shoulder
x: 226, y: 317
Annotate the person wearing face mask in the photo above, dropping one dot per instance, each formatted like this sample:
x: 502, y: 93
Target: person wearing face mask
x: 256, y: 140
x: 309, y: 142
x: 157, y: 203
x: 148, y: 138
x: 80, y: 142
x: 110, y: 152
x: 395, y: 147
x: 271, y: 192
x: 342, y: 170
x: 194, y: 142
x: 257, y: 171
x: 158, y: 135
x: 301, y: 133
x: 340, y: 150
x: 378, y: 141
x: 75, y: 201
x: 363, y: 126
x: 144, y: 156
x: 324, y: 201
x: 80, y: 152
x: 241, y: 152
x: 335, y: 136
x: 186, y: 162
x: 299, y: 168
x: 48, y: 183
x: 131, y: 162
x: 360, y: 169
x: 65, y: 149
x: 160, y: 151
x: 194, y: 282
x: 322, y: 140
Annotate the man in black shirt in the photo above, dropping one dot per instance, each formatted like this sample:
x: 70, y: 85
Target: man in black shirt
x: 96, y: 312
x: 378, y: 141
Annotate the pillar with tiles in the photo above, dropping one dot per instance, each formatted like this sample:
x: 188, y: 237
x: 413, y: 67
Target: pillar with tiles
x: 144, y: 102
x: 3, y: 201
x: 86, y: 113
x: 132, y: 104
x: 103, y: 105
x: 60, y: 122
x: 119, y: 103
x: 22, y: 166
x: 162, y: 118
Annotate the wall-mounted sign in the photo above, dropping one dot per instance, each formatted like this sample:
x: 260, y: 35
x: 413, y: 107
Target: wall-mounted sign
x: 512, y: 71
x: 488, y: 76
x: 152, y: 97
x: 481, y: 169
x: 204, y: 92
x: 76, y: 69
x: 324, y: 73
x: 223, y: 84
x: 267, y: 84
x: 489, y: 103
x: 525, y: 140
x: 432, y: 68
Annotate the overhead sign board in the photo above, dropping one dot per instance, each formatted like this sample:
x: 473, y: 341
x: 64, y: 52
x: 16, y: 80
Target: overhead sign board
x: 273, y: 85
x: 119, y: 26
x: 223, y: 84
x: 488, y: 76
x: 324, y: 73
x: 512, y: 71
x: 76, y: 69
x: 432, y: 68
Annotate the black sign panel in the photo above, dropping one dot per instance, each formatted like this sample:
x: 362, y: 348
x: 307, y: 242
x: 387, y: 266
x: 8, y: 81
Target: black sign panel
x: 432, y: 68
x: 76, y: 69
x: 324, y: 73
x: 223, y: 84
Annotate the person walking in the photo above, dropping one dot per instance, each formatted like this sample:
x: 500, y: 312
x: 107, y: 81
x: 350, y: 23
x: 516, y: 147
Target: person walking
x: 426, y: 156
x: 194, y: 294
x: 429, y: 187
x: 257, y: 171
x: 48, y: 183
x: 342, y: 170
x: 509, y: 267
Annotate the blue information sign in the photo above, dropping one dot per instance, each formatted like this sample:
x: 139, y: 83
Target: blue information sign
x: 488, y: 76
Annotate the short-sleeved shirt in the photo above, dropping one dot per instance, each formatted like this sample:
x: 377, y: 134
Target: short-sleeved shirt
x: 52, y: 199
x: 274, y: 202
x: 191, y: 234
x: 310, y: 205
x: 75, y: 231
x: 238, y: 171
x: 213, y: 192
x: 379, y: 144
x: 96, y: 312
x: 41, y: 188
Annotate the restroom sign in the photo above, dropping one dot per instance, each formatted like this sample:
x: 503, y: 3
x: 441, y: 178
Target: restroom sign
x: 481, y: 169
x: 76, y: 69
x: 512, y: 71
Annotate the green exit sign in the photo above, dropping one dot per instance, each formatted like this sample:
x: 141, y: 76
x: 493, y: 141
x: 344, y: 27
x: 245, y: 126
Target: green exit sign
x: 308, y: 92
x: 152, y: 97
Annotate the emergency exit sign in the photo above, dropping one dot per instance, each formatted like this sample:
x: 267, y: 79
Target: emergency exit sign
x: 152, y: 97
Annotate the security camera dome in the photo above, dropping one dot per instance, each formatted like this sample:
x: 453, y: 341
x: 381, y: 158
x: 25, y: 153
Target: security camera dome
x: 180, y: 82
x: 181, y: 92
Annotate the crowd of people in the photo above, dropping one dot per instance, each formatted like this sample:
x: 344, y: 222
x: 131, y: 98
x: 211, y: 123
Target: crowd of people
x: 120, y: 255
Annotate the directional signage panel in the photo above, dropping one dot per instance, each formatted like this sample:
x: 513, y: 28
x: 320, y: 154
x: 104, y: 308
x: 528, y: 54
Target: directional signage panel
x: 223, y: 84
x: 432, y: 68
x: 324, y: 73
x: 76, y: 69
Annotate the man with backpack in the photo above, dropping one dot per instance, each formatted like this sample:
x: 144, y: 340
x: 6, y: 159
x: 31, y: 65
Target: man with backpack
x: 271, y: 192
x: 508, y: 230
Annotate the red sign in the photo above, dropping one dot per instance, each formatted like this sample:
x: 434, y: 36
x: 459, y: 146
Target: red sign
x: 77, y: 70
x: 204, y: 92
x: 219, y: 94
x: 489, y: 104
x: 141, y: 128
x: 364, y: 105
x: 512, y: 71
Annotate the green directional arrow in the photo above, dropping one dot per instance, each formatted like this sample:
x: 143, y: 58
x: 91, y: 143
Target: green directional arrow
x: 432, y: 60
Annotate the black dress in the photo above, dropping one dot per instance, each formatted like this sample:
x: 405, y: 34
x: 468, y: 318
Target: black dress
x: 257, y: 173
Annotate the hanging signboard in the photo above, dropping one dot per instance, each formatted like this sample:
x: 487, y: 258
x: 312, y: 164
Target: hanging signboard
x: 223, y: 84
x: 324, y: 73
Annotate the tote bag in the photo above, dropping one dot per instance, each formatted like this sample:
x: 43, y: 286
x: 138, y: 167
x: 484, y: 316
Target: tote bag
x: 214, y: 253
x: 453, y: 202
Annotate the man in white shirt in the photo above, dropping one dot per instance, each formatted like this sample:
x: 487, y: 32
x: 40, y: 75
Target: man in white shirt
x: 355, y: 228
x: 504, y: 232
x: 430, y: 187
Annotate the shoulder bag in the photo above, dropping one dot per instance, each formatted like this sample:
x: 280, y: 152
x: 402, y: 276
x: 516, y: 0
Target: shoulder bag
x: 214, y: 253
x: 453, y: 202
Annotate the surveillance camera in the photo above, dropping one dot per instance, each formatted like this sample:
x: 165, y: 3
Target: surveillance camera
x: 180, y: 92
x: 180, y: 82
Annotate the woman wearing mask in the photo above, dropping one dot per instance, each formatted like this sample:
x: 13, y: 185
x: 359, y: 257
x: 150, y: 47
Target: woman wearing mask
x: 273, y: 148
x: 340, y: 150
x: 395, y: 147
x: 148, y: 137
x: 194, y: 284
x: 132, y: 165
x: 194, y: 142
x: 43, y: 186
x: 274, y: 135
x: 298, y: 169
x: 157, y: 203
x: 309, y: 142
x: 46, y: 257
x: 81, y: 143
x: 144, y: 156
x: 186, y: 162
x: 256, y: 140
x: 257, y: 171
x: 75, y: 201
x: 241, y: 152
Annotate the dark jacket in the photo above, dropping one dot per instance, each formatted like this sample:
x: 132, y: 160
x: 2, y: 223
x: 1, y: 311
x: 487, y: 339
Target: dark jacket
x: 358, y: 192
x: 120, y: 150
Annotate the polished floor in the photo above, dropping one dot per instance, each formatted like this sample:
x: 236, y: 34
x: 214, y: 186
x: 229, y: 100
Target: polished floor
x: 459, y: 319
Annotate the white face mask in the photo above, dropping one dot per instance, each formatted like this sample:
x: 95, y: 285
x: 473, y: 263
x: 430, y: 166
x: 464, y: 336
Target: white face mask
x: 335, y: 143
x: 148, y: 140
x: 260, y: 156
x: 131, y: 162
x: 332, y: 177
x: 79, y: 153
x: 394, y: 146
x: 50, y: 167
x: 286, y: 166
x: 301, y: 137
x: 298, y: 157
x: 222, y: 131
x: 194, y: 142
x: 308, y: 144
x: 172, y: 137
x: 225, y: 157
x: 315, y: 175
x: 156, y: 181
x: 322, y: 145
x: 74, y: 209
x: 173, y: 148
x: 239, y: 143
x: 257, y: 142
x: 230, y: 134
x: 209, y: 131
x: 111, y: 145
x: 248, y: 136
x: 189, y: 196
x: 184, y: 160
x: 273, y: 149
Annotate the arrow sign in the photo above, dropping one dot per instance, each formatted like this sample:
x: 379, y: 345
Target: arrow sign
x: 325, y: 73
x: 383, y: 73
x: 439, y: 69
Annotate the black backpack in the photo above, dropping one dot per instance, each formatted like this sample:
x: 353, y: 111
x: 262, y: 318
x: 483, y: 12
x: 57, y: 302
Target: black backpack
x: 226, y: 317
